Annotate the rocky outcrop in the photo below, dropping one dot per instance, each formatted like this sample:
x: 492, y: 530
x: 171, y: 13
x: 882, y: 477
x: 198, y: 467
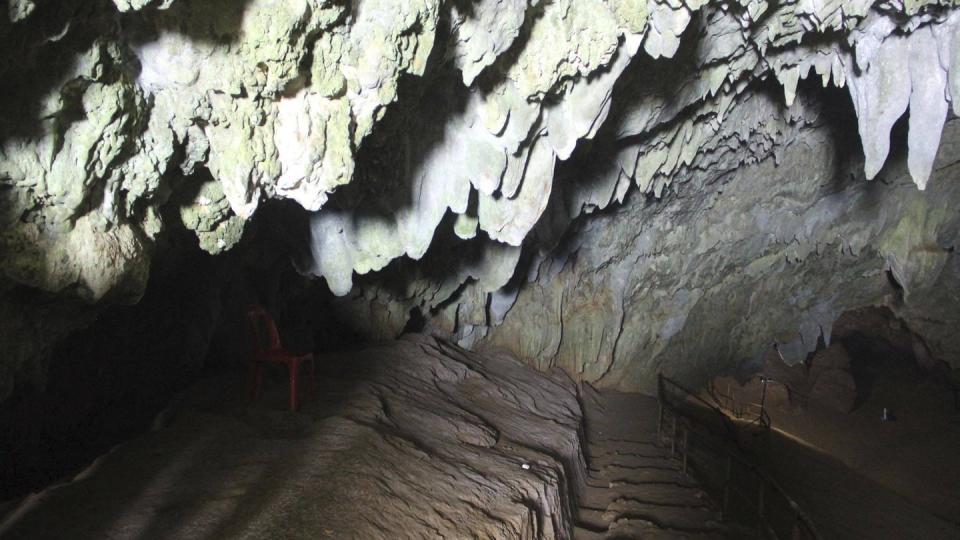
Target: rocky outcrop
x: 825, y: 381
x: 407, y: 439
x: 746, y: 219
x: 707, y: 277
x: 399, y: 124
x: 833, y: 383
x: 106, y: 382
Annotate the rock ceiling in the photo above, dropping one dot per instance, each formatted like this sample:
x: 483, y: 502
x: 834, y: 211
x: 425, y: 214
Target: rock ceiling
x: 396, y: 122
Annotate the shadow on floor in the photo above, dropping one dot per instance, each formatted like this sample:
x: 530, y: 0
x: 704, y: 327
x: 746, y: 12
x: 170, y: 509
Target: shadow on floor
x: 843, y: 503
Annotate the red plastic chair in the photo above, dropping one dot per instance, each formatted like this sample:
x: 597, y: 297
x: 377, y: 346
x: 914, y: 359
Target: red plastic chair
x: 267, y: 349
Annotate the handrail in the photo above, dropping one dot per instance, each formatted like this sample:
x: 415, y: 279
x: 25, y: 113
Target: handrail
x: 736, y: 407
x: 731, y: 439
x: 729, y: 426
x: 796, y: 396
x: 793, y: 392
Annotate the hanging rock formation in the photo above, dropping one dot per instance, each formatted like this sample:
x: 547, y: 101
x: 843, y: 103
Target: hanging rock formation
x: 619, y: 173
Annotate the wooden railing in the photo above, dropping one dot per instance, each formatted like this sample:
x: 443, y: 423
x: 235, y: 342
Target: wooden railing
x: 707, y: 443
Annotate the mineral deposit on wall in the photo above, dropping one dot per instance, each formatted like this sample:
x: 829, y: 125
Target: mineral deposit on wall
x: 383, y: 117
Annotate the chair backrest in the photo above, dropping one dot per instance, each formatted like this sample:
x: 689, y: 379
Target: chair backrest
x: 263, y: 329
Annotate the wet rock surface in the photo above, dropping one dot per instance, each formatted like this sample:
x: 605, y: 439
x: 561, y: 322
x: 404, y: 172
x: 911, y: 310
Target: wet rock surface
x: 409, y: 439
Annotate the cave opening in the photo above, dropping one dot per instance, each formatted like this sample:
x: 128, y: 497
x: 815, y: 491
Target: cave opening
x: 572, y: 269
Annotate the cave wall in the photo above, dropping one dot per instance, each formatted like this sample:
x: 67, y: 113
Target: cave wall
x: 734, y: 258
x: 106, y: 382
x: 574, y: 157
x: 773, y: 252
x: 112, y: 378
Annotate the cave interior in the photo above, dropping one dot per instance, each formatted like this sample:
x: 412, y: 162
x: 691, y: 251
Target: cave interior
x: 555, y: 269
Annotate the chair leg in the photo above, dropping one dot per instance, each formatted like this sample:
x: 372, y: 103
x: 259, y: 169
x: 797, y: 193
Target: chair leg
x: 256, y: 380
x: 251, y: 381
x: 294, y: 368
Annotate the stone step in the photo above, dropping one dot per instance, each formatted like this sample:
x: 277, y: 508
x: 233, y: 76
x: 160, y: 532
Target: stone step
x: 639, y: 437
x: 625, y: 447
x: 646, y: 530
x: 593, y: 519
x: 700, y: 517
x: 634, y: 461
x: 641, y: 477
x: 635, y: 488
x: 582, y: 533
x: 601, y: 497
x: 612, y: 473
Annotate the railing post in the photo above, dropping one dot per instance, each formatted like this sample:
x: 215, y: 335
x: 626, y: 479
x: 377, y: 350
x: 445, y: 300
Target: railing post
x: 726, y: 485
x: 660, y: 423
x: 760, y: 521
x: 673, y: 437
x: 686, y: 439
x: 764, y: 529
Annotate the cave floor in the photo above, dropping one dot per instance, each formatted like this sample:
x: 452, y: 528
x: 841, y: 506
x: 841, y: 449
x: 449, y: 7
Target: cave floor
x: 411, y: 439
x: 507, y: 448
x: 222, y: 468
x: 635, y: 489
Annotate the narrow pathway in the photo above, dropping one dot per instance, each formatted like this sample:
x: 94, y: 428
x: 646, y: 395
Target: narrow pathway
x: 635, y: 489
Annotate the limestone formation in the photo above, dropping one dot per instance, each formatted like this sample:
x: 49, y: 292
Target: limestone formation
x: 395, y: 123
